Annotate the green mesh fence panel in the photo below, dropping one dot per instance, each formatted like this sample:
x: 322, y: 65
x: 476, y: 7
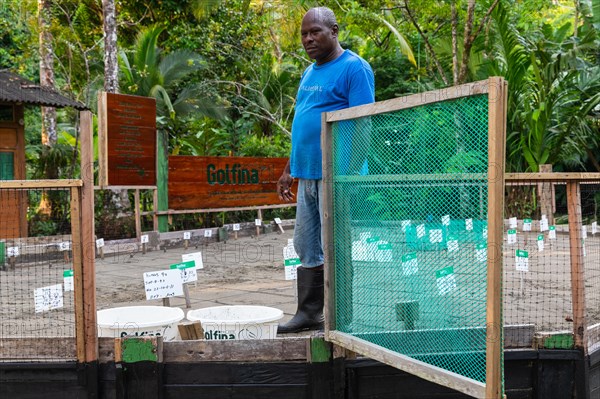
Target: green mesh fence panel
x: 410, y: 232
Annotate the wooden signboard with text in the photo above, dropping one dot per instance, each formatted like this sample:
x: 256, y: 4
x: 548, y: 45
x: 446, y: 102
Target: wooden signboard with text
x: 223, y: 182
x: 126, y: 140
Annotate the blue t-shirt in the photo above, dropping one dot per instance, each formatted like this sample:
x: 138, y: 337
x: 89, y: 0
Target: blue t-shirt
x: 345, y: 82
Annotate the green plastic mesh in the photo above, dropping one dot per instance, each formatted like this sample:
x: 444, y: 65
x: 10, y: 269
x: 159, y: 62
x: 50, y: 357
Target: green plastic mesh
x: 410, y: 232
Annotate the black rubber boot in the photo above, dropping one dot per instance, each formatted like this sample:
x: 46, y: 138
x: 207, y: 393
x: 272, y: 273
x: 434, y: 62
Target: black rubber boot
x: 309, y: 315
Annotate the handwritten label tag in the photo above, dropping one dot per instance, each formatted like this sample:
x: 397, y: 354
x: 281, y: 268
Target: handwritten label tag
x: 512, y: 236
x: 469, y: 224
x: 68, y: 280
x: 584, y: 232
x: 552, y: 232
x: 384, y: 252
x: 446, y: 220
x: 187, y: 270
x: 236, y: 227
x: 540, y: 243
x: 522, y: 260
x: 594, y: 228
x: 452, y: 244
x: 163, y: 284
x: 195, y: 257
x: 99, y: 242
x: 543, y: 225
x: 64, y: 246
x: 435, y: 236
x: 421, y: 231
x: 526, y: 224
x: 277, y: 221
x: 187, y: 235
x: 410, y: 264
x: 481, y: 252
x: 12, y: 252
x: 48, y: 298
x: 257, y: 222
x: 291, y: 261
x: 208, y: 233
x: 144, y: 239
x: 512, y: 223
x: 446, y: 282
x: 484, y: 233
x: 405, y: 224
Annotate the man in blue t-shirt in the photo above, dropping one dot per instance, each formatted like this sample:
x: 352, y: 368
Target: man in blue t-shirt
x: 338, y: 79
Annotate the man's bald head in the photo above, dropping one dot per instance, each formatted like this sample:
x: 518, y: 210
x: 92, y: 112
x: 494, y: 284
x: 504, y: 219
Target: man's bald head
x: 322, y: 14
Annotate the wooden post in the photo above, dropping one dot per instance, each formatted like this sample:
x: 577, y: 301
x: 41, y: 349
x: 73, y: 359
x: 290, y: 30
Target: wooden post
x: 329, y: 267
x: 136, y: 211
x: 545, y: 195
x: 260, y: 218
x: 497, y: 95
x: 577, y: 265
x: 155, y: 221
x: 88, y: 275
x: 78, y: 272
x: 186, y: 294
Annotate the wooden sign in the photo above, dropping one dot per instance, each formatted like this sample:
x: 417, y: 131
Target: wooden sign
x: 126, y: 140
x: 223, y: 182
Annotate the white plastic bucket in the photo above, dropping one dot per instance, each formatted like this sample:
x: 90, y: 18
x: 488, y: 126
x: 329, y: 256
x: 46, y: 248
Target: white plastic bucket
x: 139, y: 321
x: 237, y: 322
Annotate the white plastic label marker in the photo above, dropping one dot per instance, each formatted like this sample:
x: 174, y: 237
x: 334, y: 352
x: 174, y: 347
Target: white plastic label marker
x: 359, y: 251
x: 48, y: 298
x: 522, y: 260
x: 594, y: 228
x: 481, y: 252
x: 484, y: 233
x: 236, y: 227
x: 446, y: 220
x: 188, y: 271
x: 371, y: 248
x: 12, y: 251
x: 257, y: 222
x: 187, y: 235
x: 196, y: 257
x: 99, y: 242
x: 363, y: 236
x: 163, y: 284
x: 207, y: 233
x: 144, y: 239
x: 446, y: 282
x: 291, y: 261
x: 384, y: 252
x: 512, y: 223
x: 452, y: 244
x: 469, y: 224
x: 421, y: 231
x: 552, y: 232
x: 543, y: 225
x: 405, y: 224
x: 68, y: 280
x: 64, y: 246
x: 410, y: 264
x: 526, y: 224
x: 277, y: 221
x: 435, y: 236
x: 512, y: 236
x: 584, y: 232
x: 540, y: 242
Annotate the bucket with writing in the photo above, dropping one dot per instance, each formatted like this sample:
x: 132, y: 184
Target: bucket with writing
x: 139, y: 321
x: 237, y: 322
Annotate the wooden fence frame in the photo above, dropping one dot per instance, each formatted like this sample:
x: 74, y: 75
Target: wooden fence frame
x: 496, y: 89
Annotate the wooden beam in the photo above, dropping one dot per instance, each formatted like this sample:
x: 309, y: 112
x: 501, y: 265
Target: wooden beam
x: 124, y: 187
x: 415, y: 367
x: 534, y: 177
x: 102, y: 139
x: 136, y: 212
x: 328, y: 243
x: 216, y: 210
x: 410, y: 101
x: 35, y: 184
x: 420, y: 178
x: 38, y: 349
x: 77, y: 247
x: 496, y: 146
x: 88, y: 237
x: 577, y: 265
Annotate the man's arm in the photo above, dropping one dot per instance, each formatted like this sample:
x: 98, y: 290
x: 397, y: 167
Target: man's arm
x: 284, y: 184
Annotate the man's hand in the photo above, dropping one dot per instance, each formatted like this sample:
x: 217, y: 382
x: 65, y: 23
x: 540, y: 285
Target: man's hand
x: 284, y: 185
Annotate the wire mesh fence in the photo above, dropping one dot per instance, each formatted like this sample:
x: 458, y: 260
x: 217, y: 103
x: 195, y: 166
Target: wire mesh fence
x: 36, y: 273
x: 410, y: 232
x: 590, y: 216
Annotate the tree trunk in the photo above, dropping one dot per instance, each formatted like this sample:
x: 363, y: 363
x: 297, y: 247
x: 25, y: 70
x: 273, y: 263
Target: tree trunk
x: 111, y: 66
x: 454, y: 44
x: 49, y: 134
